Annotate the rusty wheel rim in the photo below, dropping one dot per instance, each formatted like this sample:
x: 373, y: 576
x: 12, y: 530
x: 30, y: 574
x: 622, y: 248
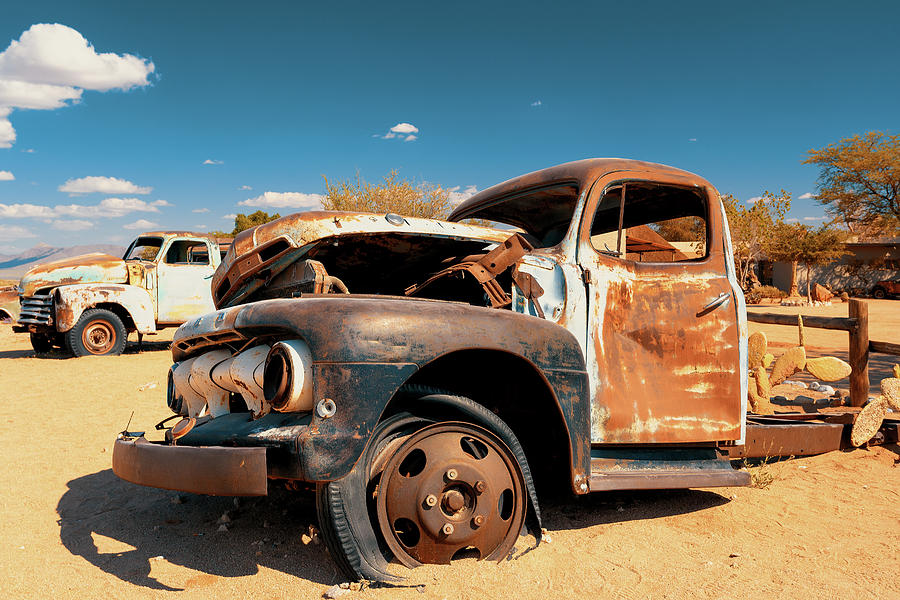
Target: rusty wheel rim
x: 98, y: 337
x: 450, y: 489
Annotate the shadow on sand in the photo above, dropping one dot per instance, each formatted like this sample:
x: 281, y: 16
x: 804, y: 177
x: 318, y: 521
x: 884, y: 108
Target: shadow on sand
x: 184, y: 528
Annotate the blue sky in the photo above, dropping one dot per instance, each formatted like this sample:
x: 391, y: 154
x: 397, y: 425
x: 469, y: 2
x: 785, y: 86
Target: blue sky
x: 248, y: 98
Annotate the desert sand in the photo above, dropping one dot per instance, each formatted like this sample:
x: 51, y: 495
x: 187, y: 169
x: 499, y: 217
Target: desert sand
x: 824, y: 527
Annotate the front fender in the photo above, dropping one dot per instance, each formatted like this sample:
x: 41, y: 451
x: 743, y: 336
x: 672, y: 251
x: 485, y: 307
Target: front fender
x: 72, y: 300
x: 365, y: 348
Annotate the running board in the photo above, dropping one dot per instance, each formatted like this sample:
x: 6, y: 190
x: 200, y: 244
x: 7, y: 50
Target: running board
x: 622, y: 468
x: 667, y: 480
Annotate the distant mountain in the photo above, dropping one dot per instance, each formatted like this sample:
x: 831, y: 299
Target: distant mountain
x: 14, y: 266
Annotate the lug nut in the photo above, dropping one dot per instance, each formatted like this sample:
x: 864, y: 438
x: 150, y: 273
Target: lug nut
x: 447, y: 529
x: 452, y: 474
x: 431, y: 500
x: 478, y: 520
x: 480, y: 486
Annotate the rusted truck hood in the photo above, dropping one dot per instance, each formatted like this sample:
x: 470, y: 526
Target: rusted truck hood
x: 87, y: 268
x: 267, y: 248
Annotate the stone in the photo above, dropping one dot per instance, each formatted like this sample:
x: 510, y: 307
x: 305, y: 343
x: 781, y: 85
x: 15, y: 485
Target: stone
x: 868, y: 421
x: 828, y: 368
x: 826, y: 389
x: 787, y: 364
x: 756, y: 349
x: 821, y: 294
x: 890, y: 390
x: 225, y: 518
x: 335, y: 591
x: 223, y: 527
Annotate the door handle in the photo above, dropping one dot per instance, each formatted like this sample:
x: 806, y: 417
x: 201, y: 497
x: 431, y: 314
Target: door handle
x: 715, y: 303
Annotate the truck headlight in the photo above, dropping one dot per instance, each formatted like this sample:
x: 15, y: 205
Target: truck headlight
x: 287, y: 379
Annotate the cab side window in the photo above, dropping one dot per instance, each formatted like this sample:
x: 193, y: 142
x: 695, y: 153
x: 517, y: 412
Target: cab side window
x: 650, y: 222
x: 187, y: 252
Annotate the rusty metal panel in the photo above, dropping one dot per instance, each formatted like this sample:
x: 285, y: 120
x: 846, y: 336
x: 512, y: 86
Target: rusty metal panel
x: 212, y: 470
x: 9, y: 303
x: 664, y: 369
x: 788, y: 438
x: 73, y: 300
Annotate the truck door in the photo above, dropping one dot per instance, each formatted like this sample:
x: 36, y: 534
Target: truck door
x: 183, y: 281
x: 663, y: 349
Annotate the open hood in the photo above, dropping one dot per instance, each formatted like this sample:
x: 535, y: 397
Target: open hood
x: 87, y: 268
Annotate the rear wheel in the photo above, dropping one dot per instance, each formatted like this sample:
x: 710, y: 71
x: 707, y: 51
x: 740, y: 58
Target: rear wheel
x: 99, y: 332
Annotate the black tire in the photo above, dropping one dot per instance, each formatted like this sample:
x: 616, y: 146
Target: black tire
x: 348, y: 518
x: 99, y: 332
x: 42, y: 343
x: 879, y: 293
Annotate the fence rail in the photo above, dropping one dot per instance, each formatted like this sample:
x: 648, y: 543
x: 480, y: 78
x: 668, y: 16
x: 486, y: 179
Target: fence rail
x: 857, y: 325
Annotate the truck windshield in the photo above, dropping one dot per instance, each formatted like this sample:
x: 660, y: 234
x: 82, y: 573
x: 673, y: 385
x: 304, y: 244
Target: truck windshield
x: 144, y: 248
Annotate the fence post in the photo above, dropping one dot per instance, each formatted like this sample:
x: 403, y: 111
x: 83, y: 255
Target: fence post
x: 859, y: 353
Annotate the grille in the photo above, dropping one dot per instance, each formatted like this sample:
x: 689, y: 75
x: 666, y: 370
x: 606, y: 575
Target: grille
x: 36, y: 310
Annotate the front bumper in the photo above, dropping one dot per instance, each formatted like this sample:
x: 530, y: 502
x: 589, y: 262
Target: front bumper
x: 211, y: 470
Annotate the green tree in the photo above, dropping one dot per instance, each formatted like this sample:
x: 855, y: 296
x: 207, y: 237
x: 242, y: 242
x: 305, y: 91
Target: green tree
x: 242, y: 221
x: 394, y: 195
x: 859, y: 182
x: 753, y: 227
x: 795, y: 243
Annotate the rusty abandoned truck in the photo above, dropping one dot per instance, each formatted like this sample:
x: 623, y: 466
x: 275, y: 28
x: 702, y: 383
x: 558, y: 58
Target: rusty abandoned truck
x: 89, y: 304
x: 428, y: 378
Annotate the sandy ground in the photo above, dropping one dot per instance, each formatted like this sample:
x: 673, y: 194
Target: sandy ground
x: 825, y: 527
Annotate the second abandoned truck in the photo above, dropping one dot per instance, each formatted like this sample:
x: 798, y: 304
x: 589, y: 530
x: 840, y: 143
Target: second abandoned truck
x: 429, y: 378
x: 88, y: 304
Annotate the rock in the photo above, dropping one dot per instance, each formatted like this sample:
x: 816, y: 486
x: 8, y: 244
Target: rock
x: 223, y: 527
x: 147, y: 386
x: 890, y: 390
x: 868, y: 421
x: 734, y: 555
x: 780, y: 399
x: 178, y: 500
x: 828, y: 368
x: 821, y: 294
x: 826, y: 389
x: 335, y: 591
x: 798, y: 384
x: 756, y: 349
x: 787, y: 364
x: 224, y: 518
x: 814, y: 385
x: 420, y: 589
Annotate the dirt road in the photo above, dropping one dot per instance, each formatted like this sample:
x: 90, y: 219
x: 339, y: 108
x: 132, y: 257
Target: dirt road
x: 825, y: 527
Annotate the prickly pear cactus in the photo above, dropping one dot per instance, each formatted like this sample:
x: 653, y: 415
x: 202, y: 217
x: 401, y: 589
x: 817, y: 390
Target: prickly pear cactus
x: 828, y: 368
x: 868, y: 421
x: 890, y: 390
x: 787, y: 364
x: 756, y: 349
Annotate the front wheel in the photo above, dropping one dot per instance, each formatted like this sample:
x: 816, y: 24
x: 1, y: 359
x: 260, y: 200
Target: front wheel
x: 99, y: 332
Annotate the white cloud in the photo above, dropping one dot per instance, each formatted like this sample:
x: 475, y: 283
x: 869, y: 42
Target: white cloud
x: 200, y: 227
x: 102, y: 185
x: 58, y: 55
x: 457, y: 196
x: 822, y: 218
x: 200, y: 210
x: 286, y: 200
x: 754, y: 199
x: 107, y: 208
x: 792, y: 220
x: 9, y: 233
x: 405, y: 128
x: 537, y: 103
x: 7, y: 133
x: 806, y: 196
x: 245, y: 187
x: 692, y: 139
x: 51, y: 65
x: 72, y: 225
x: 209, y: 161
x: 6, y: 176
x: 141, y: 224
x: 402, y: 131
x: 230, y: 216
x: 28, y: 150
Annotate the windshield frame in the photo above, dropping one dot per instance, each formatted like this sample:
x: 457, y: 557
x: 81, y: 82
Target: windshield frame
x: 135, y: 243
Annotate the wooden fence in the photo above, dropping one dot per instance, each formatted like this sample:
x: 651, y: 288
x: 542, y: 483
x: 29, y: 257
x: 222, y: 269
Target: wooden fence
x: 857, y: 324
